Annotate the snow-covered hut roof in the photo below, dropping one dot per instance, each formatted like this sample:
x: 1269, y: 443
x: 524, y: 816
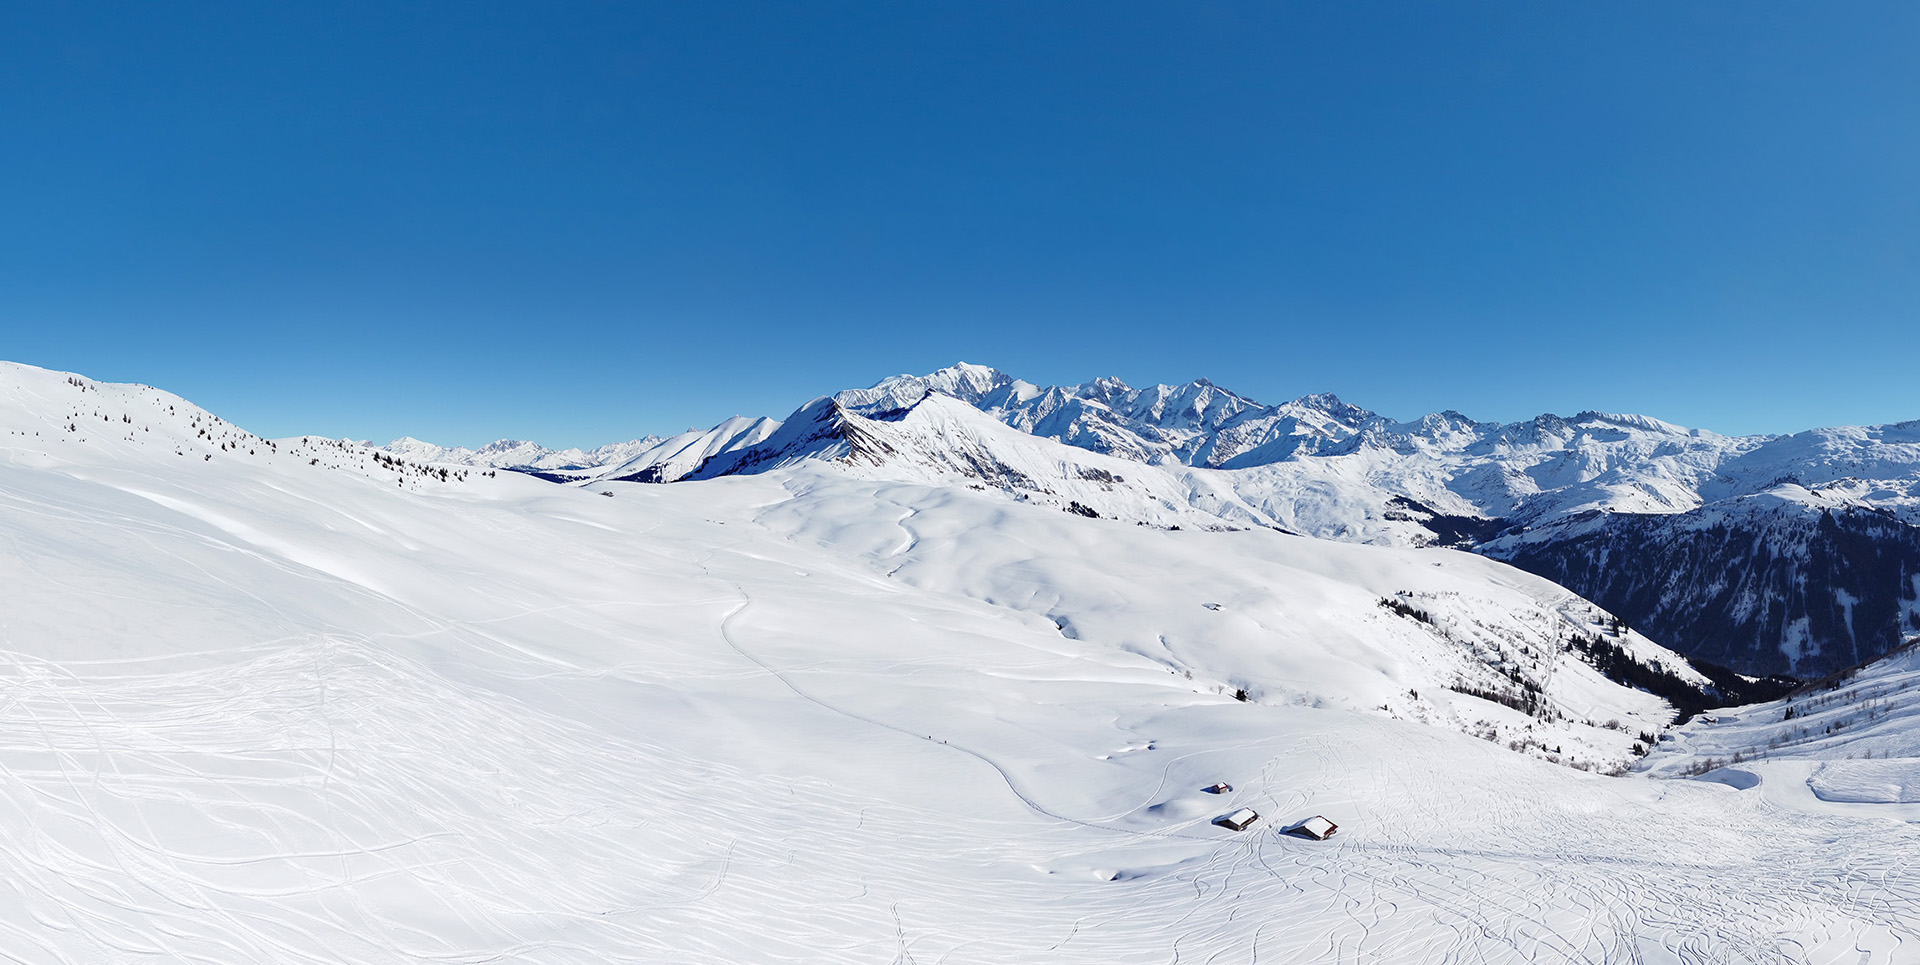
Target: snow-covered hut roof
x: 1316, y: 827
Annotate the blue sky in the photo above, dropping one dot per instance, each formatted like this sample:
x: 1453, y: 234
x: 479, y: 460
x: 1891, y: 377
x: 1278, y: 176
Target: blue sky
x: 583, y: 222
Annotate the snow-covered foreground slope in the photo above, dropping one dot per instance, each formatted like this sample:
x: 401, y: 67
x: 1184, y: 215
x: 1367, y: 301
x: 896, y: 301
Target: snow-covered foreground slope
x: 293, y: 702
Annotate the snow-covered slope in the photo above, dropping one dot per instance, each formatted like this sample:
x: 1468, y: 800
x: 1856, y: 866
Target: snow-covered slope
x: 308, y: 702
x: 1847, y: 744
x: 674, y: 457
x: 1435, y: 636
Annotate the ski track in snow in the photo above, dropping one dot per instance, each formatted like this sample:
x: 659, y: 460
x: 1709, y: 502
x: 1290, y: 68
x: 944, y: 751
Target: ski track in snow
x: 331, y: 803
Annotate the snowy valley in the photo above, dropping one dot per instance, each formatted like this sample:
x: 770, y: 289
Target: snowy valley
x: 916, y: 676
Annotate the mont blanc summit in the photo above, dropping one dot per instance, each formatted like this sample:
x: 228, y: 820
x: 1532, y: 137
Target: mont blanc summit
x: 952, y: 668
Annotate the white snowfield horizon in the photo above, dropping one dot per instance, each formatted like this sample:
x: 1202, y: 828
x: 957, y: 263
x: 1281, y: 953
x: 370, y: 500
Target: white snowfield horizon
x: 303, y: 700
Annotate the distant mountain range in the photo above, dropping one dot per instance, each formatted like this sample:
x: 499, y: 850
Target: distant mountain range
x: 1770, y: 554
x: 519, y: 455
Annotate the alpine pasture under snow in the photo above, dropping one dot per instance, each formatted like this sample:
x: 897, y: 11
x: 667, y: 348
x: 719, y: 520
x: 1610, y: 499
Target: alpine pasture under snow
x: 302, y: 700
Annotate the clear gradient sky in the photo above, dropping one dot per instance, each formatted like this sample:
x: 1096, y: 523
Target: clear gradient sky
x: 583, y: 222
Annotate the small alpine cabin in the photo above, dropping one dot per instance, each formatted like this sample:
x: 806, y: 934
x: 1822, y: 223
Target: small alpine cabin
x: 1317, y: 827
x: 1238, y: 820
x: 1220, y: 788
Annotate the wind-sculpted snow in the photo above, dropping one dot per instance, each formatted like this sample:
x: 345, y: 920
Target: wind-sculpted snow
x: 303, y: 702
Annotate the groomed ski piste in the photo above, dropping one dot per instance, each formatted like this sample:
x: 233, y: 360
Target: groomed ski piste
x: 300, y: 701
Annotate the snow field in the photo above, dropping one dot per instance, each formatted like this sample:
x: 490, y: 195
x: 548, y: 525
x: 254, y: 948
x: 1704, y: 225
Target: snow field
x: 329, y: 803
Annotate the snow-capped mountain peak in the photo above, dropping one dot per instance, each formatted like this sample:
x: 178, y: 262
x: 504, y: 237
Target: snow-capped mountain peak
x: 971, y: 383
x: 1639, y: 422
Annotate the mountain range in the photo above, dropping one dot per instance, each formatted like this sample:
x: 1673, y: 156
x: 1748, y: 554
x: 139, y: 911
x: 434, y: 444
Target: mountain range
x: 519, y: 454
x: 1789, y: 554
